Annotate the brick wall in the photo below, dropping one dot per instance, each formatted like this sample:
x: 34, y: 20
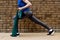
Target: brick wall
x: 48, y: 11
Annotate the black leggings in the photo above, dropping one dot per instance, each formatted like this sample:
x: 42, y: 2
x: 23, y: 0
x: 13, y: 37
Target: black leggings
x: 34, y: 19
x: 37, y: 21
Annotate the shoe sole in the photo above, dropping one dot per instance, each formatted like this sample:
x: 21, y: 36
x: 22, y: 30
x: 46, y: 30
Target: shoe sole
x: 14, y: 35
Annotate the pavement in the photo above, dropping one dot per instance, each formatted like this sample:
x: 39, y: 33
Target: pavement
x: 30, y: 36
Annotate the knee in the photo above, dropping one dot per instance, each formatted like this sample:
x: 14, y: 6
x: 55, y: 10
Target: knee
x: 29, y: 13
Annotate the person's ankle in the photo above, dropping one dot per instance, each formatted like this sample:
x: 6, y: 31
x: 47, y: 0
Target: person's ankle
x: 50, y: 29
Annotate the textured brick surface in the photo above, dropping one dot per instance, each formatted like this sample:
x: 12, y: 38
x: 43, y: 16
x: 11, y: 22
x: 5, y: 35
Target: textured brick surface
x: 48, y: 11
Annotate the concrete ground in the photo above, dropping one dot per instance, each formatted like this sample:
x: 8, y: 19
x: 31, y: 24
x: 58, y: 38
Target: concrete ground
x: 30, y: 36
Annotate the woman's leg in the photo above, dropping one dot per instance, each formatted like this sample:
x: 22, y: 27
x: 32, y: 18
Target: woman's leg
x: 34, y: 19
x: 19, y: 15
x: 37, y: 21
